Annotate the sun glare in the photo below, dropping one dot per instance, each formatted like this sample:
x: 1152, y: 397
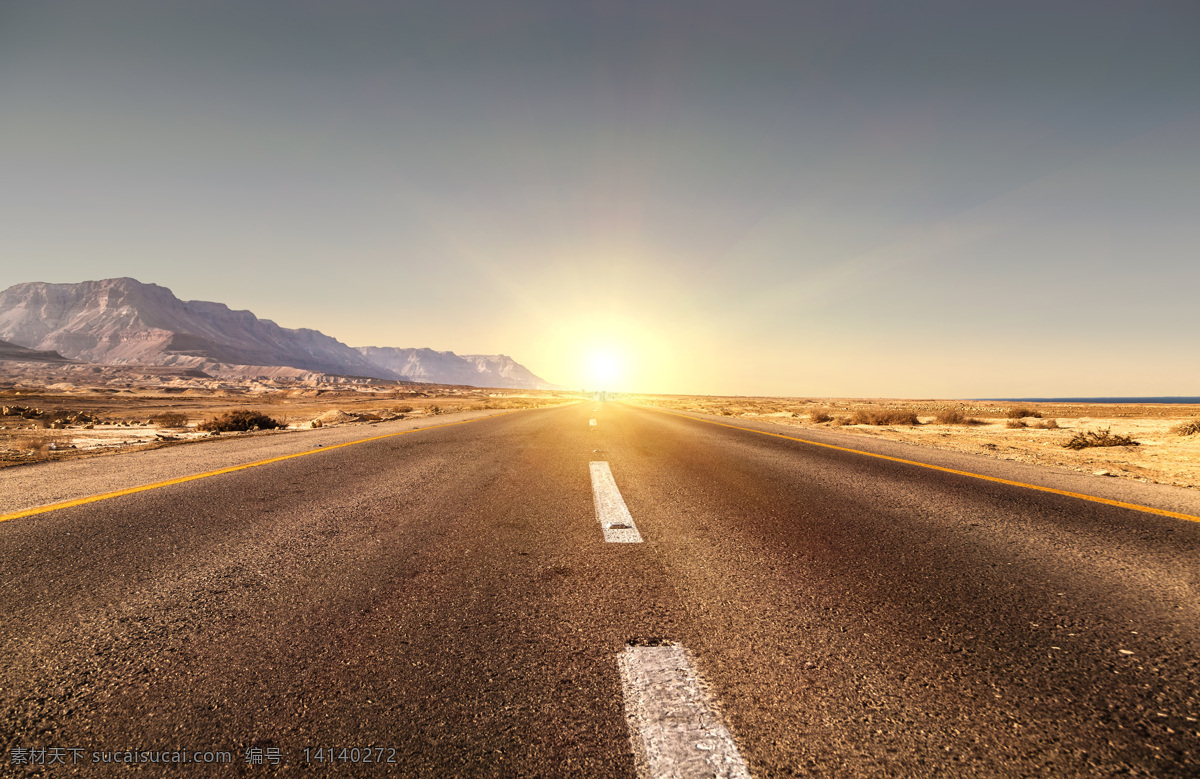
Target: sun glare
x: 616, y: 353
x: 604, y: 369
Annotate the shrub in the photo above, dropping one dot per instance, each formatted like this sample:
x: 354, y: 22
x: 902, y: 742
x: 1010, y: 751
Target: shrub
x: 952, y: 416
x: 1100, y: 437
x: 238, y: 420
x: 1049, y: 424
x: 883, y: 416
x: 38, y: 450
x: 170, y: 419
x: 402, y: 409
x: 1016, y: 424
x: 1191, y: 427
x: 1020, y: 412
x: 433, y: 411
x: 820, y: 415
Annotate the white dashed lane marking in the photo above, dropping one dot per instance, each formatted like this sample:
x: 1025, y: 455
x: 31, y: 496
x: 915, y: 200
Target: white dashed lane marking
x: 614, y: 516
x: 674, y: 726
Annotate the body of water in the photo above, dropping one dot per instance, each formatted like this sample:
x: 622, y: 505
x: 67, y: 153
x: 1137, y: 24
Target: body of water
x: 1180, y: 400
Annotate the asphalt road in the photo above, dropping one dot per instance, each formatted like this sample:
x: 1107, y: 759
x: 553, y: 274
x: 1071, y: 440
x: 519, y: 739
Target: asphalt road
x: 447, y: 596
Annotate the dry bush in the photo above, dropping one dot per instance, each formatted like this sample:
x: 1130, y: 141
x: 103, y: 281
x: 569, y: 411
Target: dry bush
x: 170, y: 419
x: 1020, y: 412
x: 433, y: 411
x: 402, y: 409
x: 234, y: 421
x: 1049, y: 424
x: 883, y: 416
x: 1016, y: 424
x: 840, y: 421
x: 953, y: 416
x: 820, y: 414
x: 35, y: 446
x: 1191, y: 427
x: 1100, y: 437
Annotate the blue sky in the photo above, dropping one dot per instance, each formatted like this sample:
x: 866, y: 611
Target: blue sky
x: 919, y: 199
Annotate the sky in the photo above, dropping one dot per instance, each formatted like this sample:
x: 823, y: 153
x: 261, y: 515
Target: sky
x: 858, y: 199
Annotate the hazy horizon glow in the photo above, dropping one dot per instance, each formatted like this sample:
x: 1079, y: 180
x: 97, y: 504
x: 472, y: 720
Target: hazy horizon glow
x: 927, y: 199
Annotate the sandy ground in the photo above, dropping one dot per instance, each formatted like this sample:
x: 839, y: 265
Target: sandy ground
x: 71, y: 419
x: 66, y: 421
x: 1160, y: 456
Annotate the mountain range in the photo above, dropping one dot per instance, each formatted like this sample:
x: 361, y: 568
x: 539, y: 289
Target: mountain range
x: 126, y: 322
x: 493, y: 370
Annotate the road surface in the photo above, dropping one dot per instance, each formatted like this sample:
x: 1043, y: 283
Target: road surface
x: 447, y: 598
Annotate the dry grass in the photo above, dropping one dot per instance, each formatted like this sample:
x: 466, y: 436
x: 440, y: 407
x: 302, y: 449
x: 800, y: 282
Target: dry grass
x: 882, y: 416
x: 170, y: 419
x: 1049, y: 424
x: 820, y: 414
x: 1191, y: 427
x: 953, y: 416
x: 1021, y: 412
x: 1016, y: 424
x: 1101, y: 437
x: 37, y: 448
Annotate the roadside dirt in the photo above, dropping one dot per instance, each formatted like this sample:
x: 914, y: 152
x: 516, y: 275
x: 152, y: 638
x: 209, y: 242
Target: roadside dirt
x: 1160, y: 456
x: 65, y: 421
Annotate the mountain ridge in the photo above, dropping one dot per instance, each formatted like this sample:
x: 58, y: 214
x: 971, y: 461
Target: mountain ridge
x: 123, y: 321
x: 473, y: 370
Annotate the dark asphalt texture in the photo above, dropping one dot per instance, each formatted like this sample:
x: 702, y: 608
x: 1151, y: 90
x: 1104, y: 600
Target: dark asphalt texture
x: 447, y: 594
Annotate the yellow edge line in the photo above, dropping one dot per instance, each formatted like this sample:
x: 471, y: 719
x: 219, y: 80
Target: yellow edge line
x: 1081, y: 496
x: 181, y: 480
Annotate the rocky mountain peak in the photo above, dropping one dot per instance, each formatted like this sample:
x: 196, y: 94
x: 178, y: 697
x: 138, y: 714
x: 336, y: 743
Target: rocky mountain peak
x: 123, y: 321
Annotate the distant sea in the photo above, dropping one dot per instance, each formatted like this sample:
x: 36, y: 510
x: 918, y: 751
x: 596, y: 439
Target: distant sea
x: 1192, y: 400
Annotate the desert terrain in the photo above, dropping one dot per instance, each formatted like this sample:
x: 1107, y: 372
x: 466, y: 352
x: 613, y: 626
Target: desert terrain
x: 48, y: 414
x: 52, y: 414
x: 1164, y: 438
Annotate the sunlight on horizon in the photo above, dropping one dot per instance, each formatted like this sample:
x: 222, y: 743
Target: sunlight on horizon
x: 604, y: 369
x: 610, y: 351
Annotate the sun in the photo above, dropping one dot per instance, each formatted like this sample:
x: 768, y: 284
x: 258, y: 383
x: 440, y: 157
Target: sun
x: 604, y: 369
